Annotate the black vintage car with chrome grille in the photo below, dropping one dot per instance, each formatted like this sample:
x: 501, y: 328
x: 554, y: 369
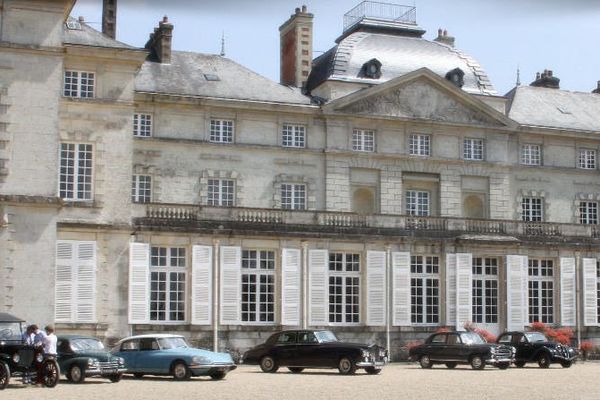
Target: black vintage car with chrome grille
x: 535, y: 347
x: 83, y: 356
x: 453, y: 348
x: 300, y: 349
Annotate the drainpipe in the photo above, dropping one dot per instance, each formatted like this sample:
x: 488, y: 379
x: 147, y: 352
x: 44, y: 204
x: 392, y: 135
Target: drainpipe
x: 388, y: 309
x: 216, y: 293
x: 304, y: 285
x: 578, y: 296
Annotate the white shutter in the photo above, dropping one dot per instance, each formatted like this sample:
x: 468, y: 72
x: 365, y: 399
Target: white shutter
x: 516, y: 292
x: 450, y: 289
x: 318, y: 292
x: 139, y: 283
x: 376, y: 288
x: 231, y: 263
x: 567, y: 292
x: 85, y: 278
x: 464, y: 291
x: 63, y: 286
x: 401, y: 289
x: 290, y: 287
x: 201, y: 285
x: 590, y: 292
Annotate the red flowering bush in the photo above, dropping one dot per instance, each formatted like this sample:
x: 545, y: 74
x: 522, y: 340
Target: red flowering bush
x: 586, y: 346
x: 485, y: 334
x: 560, y: 335
x: 442, y: 329
x: 538, y: 326
x: 412, y: 344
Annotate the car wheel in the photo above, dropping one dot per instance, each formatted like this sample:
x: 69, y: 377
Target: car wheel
x: 4, y: 375
x: 115, y: 378
x: 76, y: 374
x: 477, y: 362
x: 451, y: 365
x: 181, y: 372
x: 268, y: 364
x: 372, y: 370
x: 138, y: 375
x: 50, y: 373
x: 425, y: 362
x: 503, y: 365
x: 566, y: 364
x: 295, y: 370
x: 346, y: 366
x: 217, y: 376
x: 519, y: 364
x: 543, y: 360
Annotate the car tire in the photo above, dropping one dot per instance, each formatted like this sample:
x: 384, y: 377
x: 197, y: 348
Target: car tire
x: 115, y: 378
x: 138, y: 375
x: 50, y: 373
x: 217, y: 376
x: 425, y: 362
x: 543, y: 360
x: 346, y: 366
x: 503, y: 365
x: 295, y: 370
x: 450, y: 365
x: 4, y: 375
x: 566, y: 364
x: 372, y: 370
x: 180, y: 371
x: 477, y: 362
x: 268, y: 364
x: 519, y: 364
x: 76, y: 374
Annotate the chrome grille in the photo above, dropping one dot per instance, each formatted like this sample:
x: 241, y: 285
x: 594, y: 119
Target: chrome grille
x: 26, y: 356
x: 109, y: 365
x: 503, y: 352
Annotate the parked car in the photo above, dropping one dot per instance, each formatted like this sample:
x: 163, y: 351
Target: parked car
x: 300, y: 349
x: 535, y: 347
x: 453, y: 348
x: 83, y: 356
x: 20, y: 360
x: 164, y: 354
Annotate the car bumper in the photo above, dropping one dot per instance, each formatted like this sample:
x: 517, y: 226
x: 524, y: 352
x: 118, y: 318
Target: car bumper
x: 496, y: 361
x: 200, y: 370
x: 370, y: 363
x: 104, y: 372
x: 559, y: 358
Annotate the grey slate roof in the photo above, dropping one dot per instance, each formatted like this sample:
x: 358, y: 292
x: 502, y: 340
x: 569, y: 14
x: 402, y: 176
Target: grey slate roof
x: 553, y: 108
x: 88, y: 36
x: 399, y: 55
x: 186, y: 76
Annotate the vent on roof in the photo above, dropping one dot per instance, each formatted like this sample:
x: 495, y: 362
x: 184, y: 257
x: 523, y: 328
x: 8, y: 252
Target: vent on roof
x: 73, y: 25
x: 212, y: 77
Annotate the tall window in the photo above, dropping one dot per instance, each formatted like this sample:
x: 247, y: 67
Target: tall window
x: 425, y: 289
x: 417, y: 203
x: 79, y: 84
x: 473, y: 149
x: 141, y: 189
x: 293, y: 136
x: 531, y: 154
x: 344, y: 288
x: 293, y: 196
x: 258, y: 286
x: 75, y: 181
x: 221, y: 192
x: 167, y: 284
x: 419, y: 145
x: 587, y: 159
x: 485, y: 290
x: 541, y: 291
x: 363, y: 140
x: 588, y: 212
x: 142, y: 125
x: 221, y: 131
x: 533, y: 210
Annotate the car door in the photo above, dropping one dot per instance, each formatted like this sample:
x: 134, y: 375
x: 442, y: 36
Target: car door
x: 129, y: 351
x: 455, y: 350
x: 436, y: 349
x: 148, y: 358
x: 285, y: 349
x: 525, y: 349
x: 308, y: 351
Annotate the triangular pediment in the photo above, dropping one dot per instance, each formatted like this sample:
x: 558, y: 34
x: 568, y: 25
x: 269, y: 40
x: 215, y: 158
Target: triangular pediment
x: 420, y: 95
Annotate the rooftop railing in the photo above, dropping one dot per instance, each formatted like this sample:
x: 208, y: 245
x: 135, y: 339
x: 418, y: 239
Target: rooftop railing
x: 381, y: 11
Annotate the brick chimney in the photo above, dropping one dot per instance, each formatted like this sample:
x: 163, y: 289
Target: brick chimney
x: 546, y: 79
x: 109, y: 18
x: 444, y: 38
x: 159, y: 42
x: 296, y: 36
x: 597, y: 90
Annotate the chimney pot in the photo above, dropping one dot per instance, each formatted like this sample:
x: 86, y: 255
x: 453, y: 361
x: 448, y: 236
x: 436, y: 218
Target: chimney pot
x: 297, y: 10
x: 304, y: 9
x: 159, y: 42
x: 440, y: 32
x: 546, y: 79
x: 445, y: 32
x: 109, y: 18
x: 165, y: 20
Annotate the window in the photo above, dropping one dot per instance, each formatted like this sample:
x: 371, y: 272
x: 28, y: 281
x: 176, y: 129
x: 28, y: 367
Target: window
x: 293, y: 196
x: 344, y: 288
x: 258, y: 286
x: 532, y: 209
x: 419, y: 145
x: 141, y: 189
x: 541, y: 291
x: 167, y: 283
x: 417, y: 203
x: 473, y: 149
x: 293, y: 136
x: 531, y: 154
x: 588, y: 212
x: 75, y: 181
x: 424, y: 289
x: 142, y: 125
x: 485, y: 290
x: 221, y: 192
x: 587, y: 159
x: 363, y: 140
x: 79, y: 84
x: 221, y: 131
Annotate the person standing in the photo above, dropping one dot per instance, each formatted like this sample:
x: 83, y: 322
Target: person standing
x: 49, y: 341
x: 28, y: 335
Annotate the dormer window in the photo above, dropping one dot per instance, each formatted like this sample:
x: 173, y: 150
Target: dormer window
x: 456, y: 76
x: 371, y: 69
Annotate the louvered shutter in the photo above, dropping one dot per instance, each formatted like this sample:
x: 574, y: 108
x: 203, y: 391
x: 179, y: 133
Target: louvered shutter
x: 231, y: 263
x: 450, y: 289
x: 318, y: 292
x: 63, y: 286
x: 567, y: 292
x: 201, y: 285
x: 85, y: 278
x: 590, y: 292
x: 376, y: 282
x: 401, y: 288
x: 290, y: 287
x: 464, y: 289
x: 139, y: 283
x: 517, y: 292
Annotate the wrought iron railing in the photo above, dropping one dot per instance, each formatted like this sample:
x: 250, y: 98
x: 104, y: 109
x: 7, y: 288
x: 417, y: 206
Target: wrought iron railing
x: 381, y: 11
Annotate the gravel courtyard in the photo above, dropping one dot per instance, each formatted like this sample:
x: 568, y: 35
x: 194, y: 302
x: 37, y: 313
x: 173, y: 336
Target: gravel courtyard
x: 397, y: 381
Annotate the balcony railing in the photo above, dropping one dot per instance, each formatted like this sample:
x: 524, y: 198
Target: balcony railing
x: 381, y: 11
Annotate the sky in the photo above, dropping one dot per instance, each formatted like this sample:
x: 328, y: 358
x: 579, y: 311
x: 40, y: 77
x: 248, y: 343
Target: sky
x: 503, y: 35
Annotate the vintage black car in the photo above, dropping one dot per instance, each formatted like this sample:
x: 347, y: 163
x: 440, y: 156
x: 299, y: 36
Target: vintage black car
x: 83, y: 356
x: 20, y: 360
x: 453, y: 348
x: 535, y: 347
x: 300, y: 349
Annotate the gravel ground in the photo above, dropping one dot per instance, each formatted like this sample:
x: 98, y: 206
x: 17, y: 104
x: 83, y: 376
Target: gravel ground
x: 397, y: 381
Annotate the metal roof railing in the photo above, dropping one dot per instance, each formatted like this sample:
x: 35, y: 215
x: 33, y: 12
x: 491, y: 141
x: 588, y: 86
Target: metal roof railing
x: 381, y: 11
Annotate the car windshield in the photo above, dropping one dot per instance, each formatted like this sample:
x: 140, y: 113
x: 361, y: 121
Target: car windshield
x: 10, y: 331
x: 86, y: 344
x: 325, y: 336
x: 471, y: 338
x: 172, y: 343
x: 533, y: 337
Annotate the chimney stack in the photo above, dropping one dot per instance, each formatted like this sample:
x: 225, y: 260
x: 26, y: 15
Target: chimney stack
x: 597, y: 90
x: 159, y: 42
x: 444, y: 38
x: 296, y: 35
x: 546, y: 79
x: 109, y: 18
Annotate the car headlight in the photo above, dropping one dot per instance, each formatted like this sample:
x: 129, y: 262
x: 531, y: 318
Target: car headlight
x: 201, y: 360
x: 492, y: 350
x: 39, y: 358
x: 513, y: 350
x: 92, y: 362
x: 365, y: 353
x: 552, y: 351
x: 16, y: 358
x: 121, y: 361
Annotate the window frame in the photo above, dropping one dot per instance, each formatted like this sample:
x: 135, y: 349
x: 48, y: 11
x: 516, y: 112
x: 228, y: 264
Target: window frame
x: 486, y: 271
x: 219, y: 195
x: 425, y: 269
x: 539, y: 283
x: 588, y: 215
x: 419, y: 144
x: 293, y: 132
x: 76, y: 175
x: 588, y: 159
x: 363, y: 140
x: 473, y: 149
x: 77, y: 92
x: 527, y: 155
x: 292, y: 189
x: 136, y: 189
x: 172, y: 253
x: 528, y: 211
x: 415, y: 211
x: 143, y: 125
x: 258, y: 272
x: 349, y: 276
x: 218, y: 131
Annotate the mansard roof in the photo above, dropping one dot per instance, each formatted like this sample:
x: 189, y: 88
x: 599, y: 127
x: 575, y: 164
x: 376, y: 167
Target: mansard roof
x: 79, y: 33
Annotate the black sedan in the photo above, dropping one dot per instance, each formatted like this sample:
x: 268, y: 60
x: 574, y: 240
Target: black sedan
x: 535, y: 347
x: 300, y: 349
x: 453, y: 348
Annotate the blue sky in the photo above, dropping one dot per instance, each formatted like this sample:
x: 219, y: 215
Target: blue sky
x: 561, y: 35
